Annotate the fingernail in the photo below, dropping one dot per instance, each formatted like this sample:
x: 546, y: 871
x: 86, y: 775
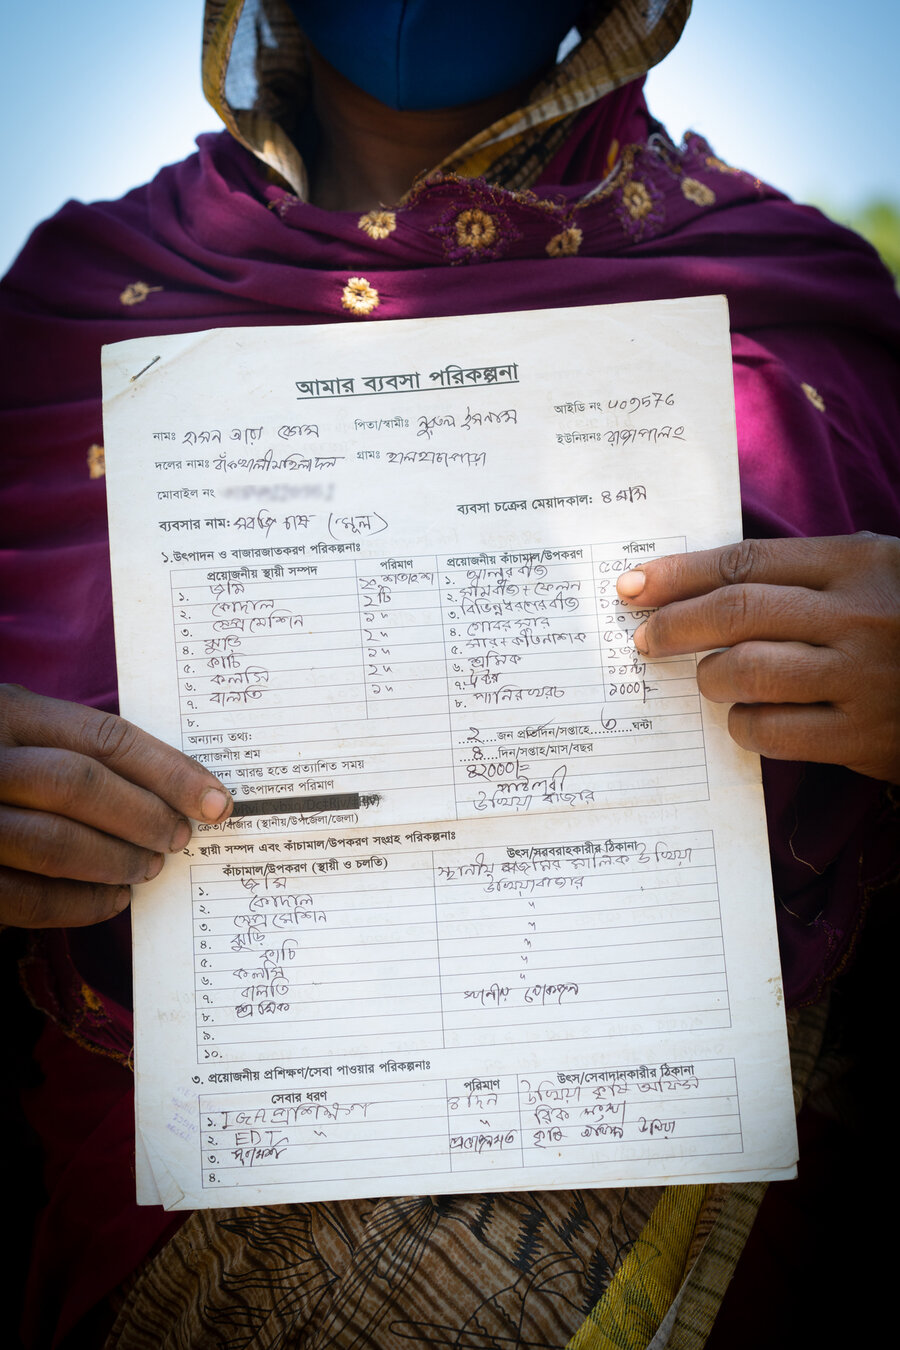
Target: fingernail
x: 155, y: 866
x: 180, y: 837
x: 214, y: 804
x: 640, y: 638
x: 631, y: 584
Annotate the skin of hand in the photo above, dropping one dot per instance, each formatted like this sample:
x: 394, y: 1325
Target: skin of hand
x: 811, y: 632
x: 89, y: 806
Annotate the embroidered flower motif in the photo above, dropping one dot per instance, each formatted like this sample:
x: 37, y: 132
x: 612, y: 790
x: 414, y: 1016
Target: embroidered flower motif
x: 359, y: 297
x: 814, y: 396
x: 641, y: 190
x: 137, y: 292
x: 637, y: 200
x: 697, y: 192
x: 378, y: 224
x: 96, y: 461
x: 565, y: 244
x: 475, y: 229
x: 476, y: 223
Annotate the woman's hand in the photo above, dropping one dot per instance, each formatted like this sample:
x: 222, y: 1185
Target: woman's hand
x: 812, y: 631
x: 89, y: 806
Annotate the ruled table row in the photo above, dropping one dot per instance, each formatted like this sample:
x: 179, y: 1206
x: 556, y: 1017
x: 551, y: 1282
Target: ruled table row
x: 390, y: 1121
x: 444, y: 948
x: 496, y: 683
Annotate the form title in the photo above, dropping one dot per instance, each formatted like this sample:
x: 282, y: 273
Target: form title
x: 451, y: 377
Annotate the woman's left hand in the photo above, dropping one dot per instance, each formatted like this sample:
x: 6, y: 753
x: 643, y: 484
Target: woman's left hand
x: 812, y: 632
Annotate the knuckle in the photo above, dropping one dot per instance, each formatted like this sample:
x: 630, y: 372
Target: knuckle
x: 42, y: 845
x: 887, y: 553
x: 738, y: 563
x: 732, y: 608
x: 850, y: 675
x: 880, y: 552
x: 875, y: 543
x: 152, y: 828
x: 113, y: 736
x: 746, y: 677
x: 68, y: 781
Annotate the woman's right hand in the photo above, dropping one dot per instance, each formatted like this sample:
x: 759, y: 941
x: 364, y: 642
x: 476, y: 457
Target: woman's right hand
x: 89, y: 806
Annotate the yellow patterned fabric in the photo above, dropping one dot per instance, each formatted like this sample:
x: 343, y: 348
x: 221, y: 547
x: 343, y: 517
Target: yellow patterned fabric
x: 667, y: 1291
x: 644, y: 1287
x: 255, y: 76
x: 496, y: 1270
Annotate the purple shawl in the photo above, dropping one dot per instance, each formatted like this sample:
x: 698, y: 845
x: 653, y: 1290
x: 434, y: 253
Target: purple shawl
x: 212, y: 243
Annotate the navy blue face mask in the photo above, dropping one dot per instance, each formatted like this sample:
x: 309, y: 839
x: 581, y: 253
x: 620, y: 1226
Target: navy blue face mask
x: 418, y: 54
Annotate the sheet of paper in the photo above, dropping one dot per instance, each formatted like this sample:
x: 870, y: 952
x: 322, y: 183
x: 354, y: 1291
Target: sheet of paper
x: 498, y: 910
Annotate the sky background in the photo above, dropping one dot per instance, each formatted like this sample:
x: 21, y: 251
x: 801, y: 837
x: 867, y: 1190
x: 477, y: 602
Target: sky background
x: 96, y: 95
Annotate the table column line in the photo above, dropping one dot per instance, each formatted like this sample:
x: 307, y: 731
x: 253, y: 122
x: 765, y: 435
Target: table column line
x: 437, y: 941
x: 447, y: 684
x: 597, y: 619
x: 521, y: 1128
x: 449, y: 1130
x: 362, y: 657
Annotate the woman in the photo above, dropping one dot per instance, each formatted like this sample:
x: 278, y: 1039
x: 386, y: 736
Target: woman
x: 544, y: 185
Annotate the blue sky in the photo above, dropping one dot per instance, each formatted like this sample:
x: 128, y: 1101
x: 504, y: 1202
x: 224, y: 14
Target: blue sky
x: 97, y: 94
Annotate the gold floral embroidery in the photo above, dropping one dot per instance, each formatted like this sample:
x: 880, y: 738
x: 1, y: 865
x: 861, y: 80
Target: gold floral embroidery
x: 137, y: 292
x: 713, y: 162
x: 91, y: 1000
x: 475, y: 229
x: 96, y: 461
x: 697, y: 192
x: 565, y: 244
x: 378, y: 224
x: 814, y: 396
x: 638, y: 202
x: 359, y: 297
